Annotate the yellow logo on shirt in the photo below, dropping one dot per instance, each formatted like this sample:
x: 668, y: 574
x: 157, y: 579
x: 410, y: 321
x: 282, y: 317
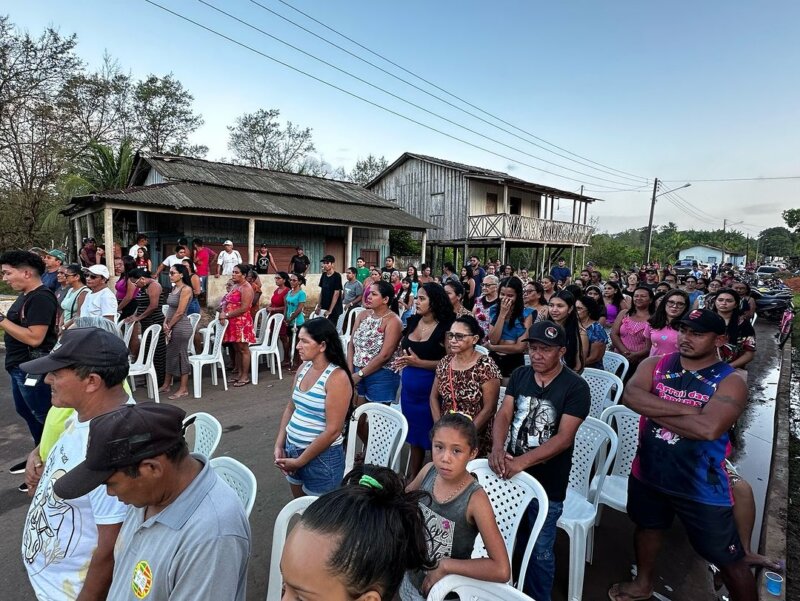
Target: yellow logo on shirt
x: 142, y: 580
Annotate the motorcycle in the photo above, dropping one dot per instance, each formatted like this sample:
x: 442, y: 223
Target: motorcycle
x: 771, y: 305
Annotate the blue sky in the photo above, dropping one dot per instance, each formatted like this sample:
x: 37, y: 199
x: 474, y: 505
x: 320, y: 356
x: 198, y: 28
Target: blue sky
x: 680, y: 90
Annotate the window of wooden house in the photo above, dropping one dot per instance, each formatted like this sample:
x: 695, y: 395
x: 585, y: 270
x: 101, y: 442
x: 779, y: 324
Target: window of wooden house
x: 371, y: 257
x: 437, y: 203
x: 491, y: 203
x: 515, y: 205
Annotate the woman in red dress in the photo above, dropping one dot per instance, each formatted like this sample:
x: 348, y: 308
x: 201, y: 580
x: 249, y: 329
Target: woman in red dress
x: 277, y: 304
x: 240, y: 331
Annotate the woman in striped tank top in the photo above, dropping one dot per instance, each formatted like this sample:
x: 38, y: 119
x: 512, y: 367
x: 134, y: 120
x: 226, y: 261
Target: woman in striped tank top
x: 309, y: 446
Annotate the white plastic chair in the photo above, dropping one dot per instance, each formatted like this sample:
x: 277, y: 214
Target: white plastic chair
x: 259, y: 321
x: 164, y: 309
x: 239, y: 477
x: 612, y: 362
x: 347, y: 332
x: 143, y: 366
x: 615, y: 487
x: 126, y: 330
x: 207, y: 433
x: 606, y: 389
x: 211, y: 355
x: 388, y: 429
x: 194, y: 319
x: 279, y: 534
x: 753, y: 319
x: 267, y: 347
x: 510, y: 500
x: 469, y: 589
x: 578, y: 516
x: 481, y: 349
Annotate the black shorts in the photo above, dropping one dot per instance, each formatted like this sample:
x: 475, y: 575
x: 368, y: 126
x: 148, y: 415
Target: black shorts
x: 711, y: 529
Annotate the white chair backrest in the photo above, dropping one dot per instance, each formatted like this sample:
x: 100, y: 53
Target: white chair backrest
x: 612, y: 362
x: 259, y: 324
x: 239, y: 477
x: 219, y: 333
x: 279, y: 534
x: 207, y: 433
x: 510, y: 500
x: 273, y: 330
x: 164, y: 309
x: 351, y: 319
x: 601, y: 384
x: 753, y: 319
x: 127, y: 332
x: 469, y: 589
x: 194, y: 320
x: 592, y: 437
x: 481, y: 349
x: 627, y: 429
x: 387, y: 434
x: 147, y: 348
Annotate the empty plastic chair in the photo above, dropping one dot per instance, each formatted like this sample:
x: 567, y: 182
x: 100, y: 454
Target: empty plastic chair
x: 207, y: 433
x: 606, y: 389
x: 194, y: 319
x: 387, y: 434
x: 143, y: 366
x: 210, y: 355
x: 239, y: 477
x: 625, y: 423
x: 279, y: 534
x: 469, y: 589
x: 268, y: 347
x: 616, y: 364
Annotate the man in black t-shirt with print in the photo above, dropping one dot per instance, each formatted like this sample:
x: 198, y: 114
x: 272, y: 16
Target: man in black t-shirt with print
x: 544, y: 405
x: 29, y: 331
x: 299, y: 262
x: 330, y: 295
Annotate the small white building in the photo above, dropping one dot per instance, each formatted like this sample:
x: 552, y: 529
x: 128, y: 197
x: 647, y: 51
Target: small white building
x: 708, y: 255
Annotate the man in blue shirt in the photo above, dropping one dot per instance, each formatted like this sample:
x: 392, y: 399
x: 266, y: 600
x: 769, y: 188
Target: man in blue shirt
x: 478, y: 273
x: 562, y: 272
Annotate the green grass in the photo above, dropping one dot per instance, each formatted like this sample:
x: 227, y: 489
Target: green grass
x: 796, y: 325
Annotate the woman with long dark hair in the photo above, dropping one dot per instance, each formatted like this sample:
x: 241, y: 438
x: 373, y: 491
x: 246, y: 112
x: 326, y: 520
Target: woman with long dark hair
x: 628, y: 333
x: 747, y: 304
x: 595, y: 292
x: 614, y: 301
x: 510, y: 320
x: 562, y: 312
x: 549, y: 285
x: 197, y: 286
x: 455, y: 292
x: 405, y: 300
x: 587, y: 309
x: 533, y: 295
x: 277, y: 304
x: 470, y: 286
x: 148, y: 313
x: 413, y: 276
x: 741, y: 346
x: 178, y: 330
x: 308, y: 449
x: 422, y: 347
x: 126, y: 290
x: 661, y: 330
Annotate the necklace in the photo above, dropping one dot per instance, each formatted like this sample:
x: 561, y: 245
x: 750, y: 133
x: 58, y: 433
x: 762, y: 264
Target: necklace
x: 455, y: 492
x: 425, y: 328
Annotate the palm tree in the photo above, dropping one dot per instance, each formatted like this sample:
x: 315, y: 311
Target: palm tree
x: 103, y: 169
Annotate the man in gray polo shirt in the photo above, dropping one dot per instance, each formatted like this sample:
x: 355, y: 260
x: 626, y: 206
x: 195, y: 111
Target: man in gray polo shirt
x: 186, y: 535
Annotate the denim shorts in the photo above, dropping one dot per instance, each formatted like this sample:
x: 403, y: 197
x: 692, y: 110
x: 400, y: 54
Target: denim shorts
x: 322, y: 474
x: 379, y: 387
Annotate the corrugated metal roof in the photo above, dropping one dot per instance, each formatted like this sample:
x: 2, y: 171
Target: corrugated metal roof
x: 187, y: 169
x: 246, y: 203
x: 471, y: 170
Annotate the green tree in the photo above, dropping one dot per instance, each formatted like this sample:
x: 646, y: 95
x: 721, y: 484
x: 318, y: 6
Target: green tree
x: 792, y: 219
x: 163, y: 116
x: 776, y: 242
x: 257, y: 140
x: 367, y: 169
x: 402, y: 244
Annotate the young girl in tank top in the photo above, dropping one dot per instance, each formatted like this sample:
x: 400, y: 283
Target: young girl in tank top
x: 457, y: 510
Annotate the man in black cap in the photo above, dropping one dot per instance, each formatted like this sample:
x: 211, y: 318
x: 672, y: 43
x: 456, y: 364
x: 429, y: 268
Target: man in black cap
x: 689, y: 401
x: 330, y: 290
x: 62, y: 538
x: 299, y: 262
x: 543, y: 407
x: 264, y: 260
x: 186, y: 535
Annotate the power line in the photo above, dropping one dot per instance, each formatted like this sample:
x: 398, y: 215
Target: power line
x: 430, y: 83
x: 363, y: 99
x: 708, y: 215
x: 685, y: 208
x: 608, y: 171
x: 406, y: 101
x: 735, y: 179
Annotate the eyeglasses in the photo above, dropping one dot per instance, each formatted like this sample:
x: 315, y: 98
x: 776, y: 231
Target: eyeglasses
x: 676, y: 304
x: 488, y: 285
x: 528, y: 291
x: 457, y: 336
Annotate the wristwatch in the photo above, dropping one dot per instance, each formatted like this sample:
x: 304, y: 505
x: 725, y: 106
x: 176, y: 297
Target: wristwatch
x: 360, y: 373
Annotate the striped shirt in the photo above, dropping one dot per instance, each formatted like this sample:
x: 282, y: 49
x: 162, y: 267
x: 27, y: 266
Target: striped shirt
x: 308, y: 420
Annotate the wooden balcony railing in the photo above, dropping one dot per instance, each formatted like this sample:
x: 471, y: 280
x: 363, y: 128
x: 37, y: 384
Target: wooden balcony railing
x: 529, y: 229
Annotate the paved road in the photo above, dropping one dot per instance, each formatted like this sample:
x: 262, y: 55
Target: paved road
x: 250, y: 415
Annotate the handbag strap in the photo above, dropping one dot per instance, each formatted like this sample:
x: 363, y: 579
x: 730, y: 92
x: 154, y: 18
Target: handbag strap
x: 452, y: 388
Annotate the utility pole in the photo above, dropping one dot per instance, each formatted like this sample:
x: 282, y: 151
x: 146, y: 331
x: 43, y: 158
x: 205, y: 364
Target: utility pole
x: 650, y: 223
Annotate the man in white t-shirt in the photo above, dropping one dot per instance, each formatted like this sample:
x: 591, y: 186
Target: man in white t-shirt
x: 141, y: 242
x: 101, y: 301
x: 68, y: 545
x: 227, y: 259
x: 181, y: 252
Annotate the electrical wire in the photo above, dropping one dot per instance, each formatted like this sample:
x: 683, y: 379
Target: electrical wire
x: 363, y: 99
x: 674, y: 194
x: 735, y: 179
x: 430, y: 83
x: 406, y: 101
x: 608, y: 171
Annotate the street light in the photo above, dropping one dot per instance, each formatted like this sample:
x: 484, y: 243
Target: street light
x: 652, y: 210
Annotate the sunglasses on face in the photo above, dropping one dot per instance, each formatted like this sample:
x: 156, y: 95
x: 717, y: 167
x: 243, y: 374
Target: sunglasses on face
x: 92, y: 276
x: 458, y: 337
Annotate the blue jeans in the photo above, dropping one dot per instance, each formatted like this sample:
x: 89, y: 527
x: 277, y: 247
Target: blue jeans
x: 538, y: 580
x: 32, y: 402
x: 322, y: 474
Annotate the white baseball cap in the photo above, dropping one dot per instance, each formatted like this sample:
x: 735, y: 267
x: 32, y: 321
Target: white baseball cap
x: 100, y: 270
x: 227, y: 242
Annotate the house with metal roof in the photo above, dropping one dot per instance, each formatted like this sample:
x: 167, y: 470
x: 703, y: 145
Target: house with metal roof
x: 477, y: 208
x: 171, y: 197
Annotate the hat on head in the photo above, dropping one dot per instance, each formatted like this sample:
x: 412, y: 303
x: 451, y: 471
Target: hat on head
x: 703, y: 320
x: 100, y: 270
x: 122, y: 438
x: 263, y: 245
x: 328, y: 259
x: 83, y: 346
x: 547, y: 332
x: 298, y: 248
x: 58, y: 254
x: 227, y: 242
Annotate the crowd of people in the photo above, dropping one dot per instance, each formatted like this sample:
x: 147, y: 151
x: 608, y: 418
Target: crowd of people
x: 154, y: 519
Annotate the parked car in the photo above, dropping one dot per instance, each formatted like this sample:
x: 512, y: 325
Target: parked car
x: 683, y: 267
x: 767, y: 271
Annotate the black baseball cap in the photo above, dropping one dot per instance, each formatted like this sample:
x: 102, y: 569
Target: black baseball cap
x: 83, y: 346
x: 703, y: 320
x: 328, y: 259
x: 547, y: 332
x: 119, y: 439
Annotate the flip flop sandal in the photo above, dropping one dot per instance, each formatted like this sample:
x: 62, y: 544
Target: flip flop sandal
x: 240, y: 383
x: 615, y: 594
